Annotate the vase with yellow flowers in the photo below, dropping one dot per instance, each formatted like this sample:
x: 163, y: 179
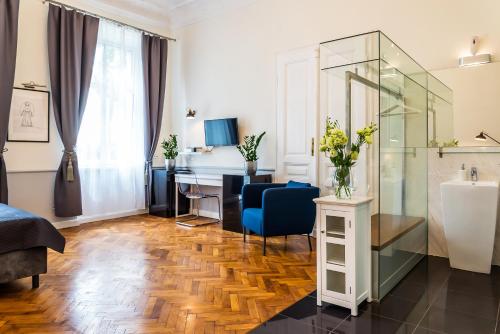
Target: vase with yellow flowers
x: 334, y: 144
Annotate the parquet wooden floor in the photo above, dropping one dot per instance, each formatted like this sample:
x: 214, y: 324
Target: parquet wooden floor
x: 145, y: 274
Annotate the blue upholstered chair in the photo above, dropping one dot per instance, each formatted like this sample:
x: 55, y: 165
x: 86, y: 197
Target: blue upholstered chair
x: 278, y: 209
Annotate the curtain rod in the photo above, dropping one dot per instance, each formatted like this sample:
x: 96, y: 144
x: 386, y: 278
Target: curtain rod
x: 60, y: 4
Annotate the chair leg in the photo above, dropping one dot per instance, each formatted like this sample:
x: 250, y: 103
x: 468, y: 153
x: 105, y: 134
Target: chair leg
x: 286, y: 237
x: 264, y: 247
x: 309, y: 240
x: 244, y: 235
x: 197, y: 207
x: 218, y: 204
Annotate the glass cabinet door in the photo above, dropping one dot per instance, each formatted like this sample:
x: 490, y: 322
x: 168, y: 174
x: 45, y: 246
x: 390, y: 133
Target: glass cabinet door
x: 335, y: 247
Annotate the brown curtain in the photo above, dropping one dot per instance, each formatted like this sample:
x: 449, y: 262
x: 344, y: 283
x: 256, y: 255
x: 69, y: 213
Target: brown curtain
x: 154, y: 59
x: 72, y: 39
x: 9, y: 13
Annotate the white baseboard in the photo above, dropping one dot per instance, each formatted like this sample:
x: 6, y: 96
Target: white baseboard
x: 89, y: 219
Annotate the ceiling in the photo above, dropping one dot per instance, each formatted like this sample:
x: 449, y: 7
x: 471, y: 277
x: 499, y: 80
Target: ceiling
x: 174, y: 14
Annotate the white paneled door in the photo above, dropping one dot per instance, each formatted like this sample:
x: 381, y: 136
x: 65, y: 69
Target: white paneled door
x: 297, y: 115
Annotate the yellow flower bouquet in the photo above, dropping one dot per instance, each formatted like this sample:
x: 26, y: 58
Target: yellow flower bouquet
x: 334, y: 144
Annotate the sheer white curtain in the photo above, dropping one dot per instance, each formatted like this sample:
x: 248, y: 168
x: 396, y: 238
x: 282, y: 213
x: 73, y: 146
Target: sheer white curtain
x: 111, y: 141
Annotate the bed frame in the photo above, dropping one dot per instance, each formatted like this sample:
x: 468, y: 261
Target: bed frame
x: 23, y: 263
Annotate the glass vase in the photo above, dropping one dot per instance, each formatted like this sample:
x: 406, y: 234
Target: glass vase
x: 342, y: 182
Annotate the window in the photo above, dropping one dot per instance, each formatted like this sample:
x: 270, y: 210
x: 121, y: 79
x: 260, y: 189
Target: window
x: 111, y: 140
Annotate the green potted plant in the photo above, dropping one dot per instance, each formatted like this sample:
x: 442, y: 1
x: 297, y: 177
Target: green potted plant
x: 334, y: 144
x: 249, y: 152
x: 170, y: 151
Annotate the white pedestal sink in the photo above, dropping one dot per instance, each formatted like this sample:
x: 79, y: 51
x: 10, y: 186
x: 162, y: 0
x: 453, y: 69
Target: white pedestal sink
x: 470, y: 216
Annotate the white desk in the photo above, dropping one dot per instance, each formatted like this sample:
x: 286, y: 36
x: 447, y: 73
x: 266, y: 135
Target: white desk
x: 214, y: 180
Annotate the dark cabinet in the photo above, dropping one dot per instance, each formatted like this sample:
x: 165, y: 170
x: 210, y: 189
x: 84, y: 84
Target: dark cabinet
x: 163, y: 190
x: 231, y: 198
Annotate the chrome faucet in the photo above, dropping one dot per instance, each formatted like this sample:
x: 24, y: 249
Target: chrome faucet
x: 473, y: 174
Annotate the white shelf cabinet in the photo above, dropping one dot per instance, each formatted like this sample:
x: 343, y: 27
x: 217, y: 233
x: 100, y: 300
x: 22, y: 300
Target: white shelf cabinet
x: 343, y: 251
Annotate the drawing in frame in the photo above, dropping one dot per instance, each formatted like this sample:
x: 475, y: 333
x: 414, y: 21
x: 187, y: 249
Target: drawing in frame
x: 29, y: 116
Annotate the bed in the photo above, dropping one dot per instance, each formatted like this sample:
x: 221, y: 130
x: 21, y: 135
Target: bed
x: 24, y: 239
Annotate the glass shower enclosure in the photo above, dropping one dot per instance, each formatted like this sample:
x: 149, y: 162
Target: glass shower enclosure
x: 368, y: 78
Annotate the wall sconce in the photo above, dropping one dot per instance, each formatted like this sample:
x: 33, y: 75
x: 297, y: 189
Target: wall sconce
x: 475, y: 59
x: 191, y: 114
x: 482, y: 137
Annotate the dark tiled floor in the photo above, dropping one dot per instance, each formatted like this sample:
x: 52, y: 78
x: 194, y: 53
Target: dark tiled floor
x: 432, y: 298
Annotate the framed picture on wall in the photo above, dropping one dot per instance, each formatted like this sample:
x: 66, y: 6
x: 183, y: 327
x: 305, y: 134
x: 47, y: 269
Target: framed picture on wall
x: 29, y: 116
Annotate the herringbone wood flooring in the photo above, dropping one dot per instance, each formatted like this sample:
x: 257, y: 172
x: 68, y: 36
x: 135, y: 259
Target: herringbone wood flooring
x: 145, y: 274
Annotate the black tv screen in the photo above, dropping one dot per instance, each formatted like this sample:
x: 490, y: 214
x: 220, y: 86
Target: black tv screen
x: 221, y: 132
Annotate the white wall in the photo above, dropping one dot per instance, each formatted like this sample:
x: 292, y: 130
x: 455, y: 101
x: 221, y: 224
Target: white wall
x: 476, y: 101
x: 31, y: 166
x: 227, y: 64
x: 32, y: 65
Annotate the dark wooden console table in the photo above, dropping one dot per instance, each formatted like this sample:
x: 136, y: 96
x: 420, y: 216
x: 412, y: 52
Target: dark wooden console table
x: 231, y: 198
x: 163, y: 191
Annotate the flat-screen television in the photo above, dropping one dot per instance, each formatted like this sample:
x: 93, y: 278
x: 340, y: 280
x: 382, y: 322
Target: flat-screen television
x: 221, y: 132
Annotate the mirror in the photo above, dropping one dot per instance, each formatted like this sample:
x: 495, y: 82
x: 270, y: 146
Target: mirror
x: 475, y: 106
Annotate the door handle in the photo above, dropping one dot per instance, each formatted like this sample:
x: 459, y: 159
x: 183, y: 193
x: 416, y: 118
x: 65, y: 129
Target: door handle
x: 312, y: 146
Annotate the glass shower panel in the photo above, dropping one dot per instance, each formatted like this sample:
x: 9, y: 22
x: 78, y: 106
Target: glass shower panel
x: 438, y: 88
x: 349, y: 100
x: 397, y: 60
x: 440, y: 110
x: 351, y: 50
x: 402, y: 218
x: 368, y: 78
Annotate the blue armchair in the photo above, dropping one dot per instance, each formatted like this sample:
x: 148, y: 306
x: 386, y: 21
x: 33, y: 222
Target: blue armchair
x: 278, y: 209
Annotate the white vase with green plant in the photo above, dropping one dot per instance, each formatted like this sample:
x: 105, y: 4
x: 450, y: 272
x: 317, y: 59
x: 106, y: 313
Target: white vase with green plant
x: 170, y: 151
x: 249, y: 152
x: 334, y: 144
